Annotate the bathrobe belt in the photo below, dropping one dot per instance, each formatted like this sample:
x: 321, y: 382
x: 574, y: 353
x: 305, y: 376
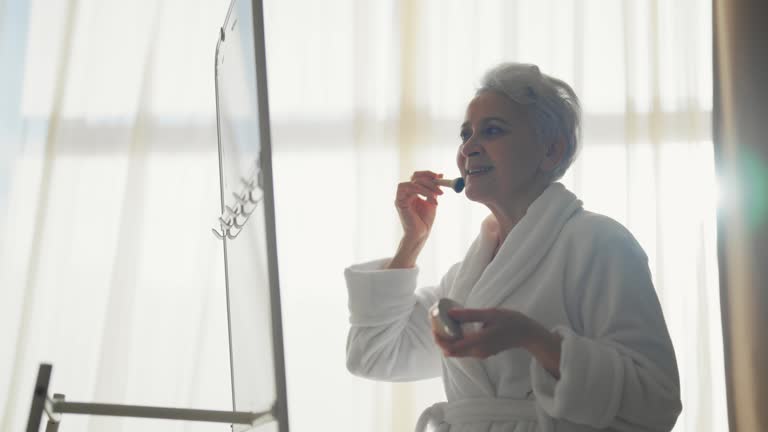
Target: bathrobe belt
x: 476, y: 410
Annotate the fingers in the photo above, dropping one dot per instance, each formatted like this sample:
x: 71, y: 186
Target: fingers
x: 472, y: 345
x: 472, y: 315
x: 427, y: 178
x: 422, y: 183
x: 429, y: 184
x: 501, y: 329
x: 406, y: 191
x: 444, y: 344
x: 426, y: 174
x: 466, y: 344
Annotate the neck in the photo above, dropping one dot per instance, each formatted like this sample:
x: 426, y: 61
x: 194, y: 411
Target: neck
x: 508, y: 214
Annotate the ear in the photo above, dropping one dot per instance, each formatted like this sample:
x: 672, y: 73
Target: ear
x: 554, y: 155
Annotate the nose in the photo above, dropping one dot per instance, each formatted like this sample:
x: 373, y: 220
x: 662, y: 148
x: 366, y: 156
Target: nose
x: 470, y: 147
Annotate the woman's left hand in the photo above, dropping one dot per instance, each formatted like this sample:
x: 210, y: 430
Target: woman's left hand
x: 501, y: 329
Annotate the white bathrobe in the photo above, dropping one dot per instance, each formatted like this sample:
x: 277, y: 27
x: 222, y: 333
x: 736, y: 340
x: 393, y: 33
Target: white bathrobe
x: 580, y: 274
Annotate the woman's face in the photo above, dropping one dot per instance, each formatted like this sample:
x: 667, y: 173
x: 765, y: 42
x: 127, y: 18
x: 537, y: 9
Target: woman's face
x: 500, y: 154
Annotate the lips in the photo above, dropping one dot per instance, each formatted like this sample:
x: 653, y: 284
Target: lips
x: 478, y: 170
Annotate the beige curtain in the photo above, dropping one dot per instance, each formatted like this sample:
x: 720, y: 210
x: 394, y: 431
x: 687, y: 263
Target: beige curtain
x: 741, y: 66
x: 109, y: 183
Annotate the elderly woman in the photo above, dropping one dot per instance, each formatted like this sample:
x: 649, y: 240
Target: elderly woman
x: 568, y: 333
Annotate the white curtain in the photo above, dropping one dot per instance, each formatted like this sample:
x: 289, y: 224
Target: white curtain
x: 108, y: 184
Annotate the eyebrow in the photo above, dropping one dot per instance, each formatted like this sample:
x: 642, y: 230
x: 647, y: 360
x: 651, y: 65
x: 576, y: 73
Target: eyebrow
x: 486, y: 120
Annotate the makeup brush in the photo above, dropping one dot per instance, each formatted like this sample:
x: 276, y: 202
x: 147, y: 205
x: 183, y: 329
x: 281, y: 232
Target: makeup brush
x: 456, y: 184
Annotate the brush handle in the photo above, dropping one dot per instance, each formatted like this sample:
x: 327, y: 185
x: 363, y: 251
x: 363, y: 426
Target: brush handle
x: 456, y: 184
x: 446, y: 182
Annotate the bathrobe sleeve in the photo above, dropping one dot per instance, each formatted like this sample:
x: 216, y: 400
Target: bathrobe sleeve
x: 390, y: 337
x: 617, y: 364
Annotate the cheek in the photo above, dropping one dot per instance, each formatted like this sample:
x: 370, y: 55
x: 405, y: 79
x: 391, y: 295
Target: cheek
x: 527, y: 156
x: 517, y: 165
x: 460, y: 161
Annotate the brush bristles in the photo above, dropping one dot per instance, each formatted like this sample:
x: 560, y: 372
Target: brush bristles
x: 456, y: 184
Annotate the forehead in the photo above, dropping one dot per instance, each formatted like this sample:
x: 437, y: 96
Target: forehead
x: 493, y: 104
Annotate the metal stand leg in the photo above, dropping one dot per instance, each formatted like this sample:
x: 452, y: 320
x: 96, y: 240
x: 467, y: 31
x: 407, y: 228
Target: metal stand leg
x: 54, y: 421
x: 39, y: 397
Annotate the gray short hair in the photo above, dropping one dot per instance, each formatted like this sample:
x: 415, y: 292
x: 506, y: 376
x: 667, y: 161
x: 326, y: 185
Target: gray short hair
x: 554, y: 104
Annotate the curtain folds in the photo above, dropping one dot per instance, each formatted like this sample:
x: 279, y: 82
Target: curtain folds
x: 109, y: 183
x: 742, y: 161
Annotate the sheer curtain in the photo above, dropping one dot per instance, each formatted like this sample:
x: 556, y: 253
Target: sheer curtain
x: 109, y: 180
x: 109, y: 187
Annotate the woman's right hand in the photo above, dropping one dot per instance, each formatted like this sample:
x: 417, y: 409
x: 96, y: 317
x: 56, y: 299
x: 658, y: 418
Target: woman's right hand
x: 416, y: 213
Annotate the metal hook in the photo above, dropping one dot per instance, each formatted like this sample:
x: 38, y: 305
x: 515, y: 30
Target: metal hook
x: 253, y: 201
x: 218, y: 234
x: 249, y: 184
x: 233, y: 236
x: 233, y: 212
x: 239, y: 225
x: 239, y: 198
x: 246, y: 213
x: 225, y: 223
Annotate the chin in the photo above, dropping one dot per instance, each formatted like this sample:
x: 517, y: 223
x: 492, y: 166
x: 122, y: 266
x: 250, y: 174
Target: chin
x: 475, y: 195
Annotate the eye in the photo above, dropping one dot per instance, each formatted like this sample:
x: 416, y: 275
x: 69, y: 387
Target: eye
x: 465, y: 134
x: 492, y: 130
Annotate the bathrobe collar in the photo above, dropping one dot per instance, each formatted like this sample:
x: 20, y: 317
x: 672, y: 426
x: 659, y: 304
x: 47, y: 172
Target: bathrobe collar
x: 482, y: 282
x: 486, y: 282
